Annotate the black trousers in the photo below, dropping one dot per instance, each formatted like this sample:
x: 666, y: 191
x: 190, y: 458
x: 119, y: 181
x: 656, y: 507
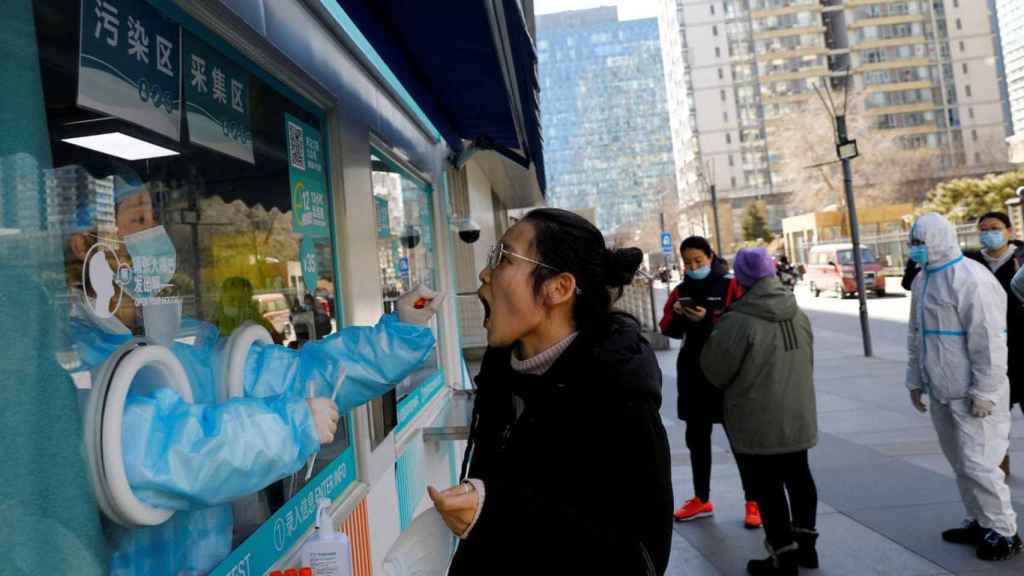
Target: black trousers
x: 698, y: 442
x: 784, y: 490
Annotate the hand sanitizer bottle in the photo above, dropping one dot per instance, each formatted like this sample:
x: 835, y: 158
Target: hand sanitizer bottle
x: 327, y: 551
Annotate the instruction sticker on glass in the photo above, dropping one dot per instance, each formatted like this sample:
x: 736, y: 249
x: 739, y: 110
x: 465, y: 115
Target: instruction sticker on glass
x: 306, y: 174
x: 216, y: 100
x: 129, y: 64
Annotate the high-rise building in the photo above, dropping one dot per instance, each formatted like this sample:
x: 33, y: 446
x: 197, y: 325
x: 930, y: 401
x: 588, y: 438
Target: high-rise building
x: 929, y: 73
x: 607, y: 140
x: 21, y: 207
x: 1011, y: 31
x: 75, y: 200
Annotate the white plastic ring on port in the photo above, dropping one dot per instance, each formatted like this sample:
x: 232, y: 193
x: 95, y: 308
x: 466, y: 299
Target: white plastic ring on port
x: 105, y: 421
x: 232, y: 357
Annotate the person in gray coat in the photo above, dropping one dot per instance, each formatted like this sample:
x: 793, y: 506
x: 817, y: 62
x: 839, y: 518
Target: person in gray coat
x: 761, y: 355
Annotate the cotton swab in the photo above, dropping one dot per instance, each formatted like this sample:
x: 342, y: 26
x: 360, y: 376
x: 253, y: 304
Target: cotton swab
x: 337, y: 385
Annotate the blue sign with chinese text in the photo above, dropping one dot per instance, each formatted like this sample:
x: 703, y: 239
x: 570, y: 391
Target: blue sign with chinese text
x: 306, y: 175
x: 129, y: 64
x: 666, y: 242
x: 216, y: 100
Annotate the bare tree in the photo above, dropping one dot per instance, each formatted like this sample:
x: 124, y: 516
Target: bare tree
x: 888, y: 170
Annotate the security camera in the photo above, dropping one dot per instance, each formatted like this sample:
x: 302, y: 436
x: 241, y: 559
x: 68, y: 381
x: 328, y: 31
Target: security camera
x: 469, y: 231
x: 410, y: 237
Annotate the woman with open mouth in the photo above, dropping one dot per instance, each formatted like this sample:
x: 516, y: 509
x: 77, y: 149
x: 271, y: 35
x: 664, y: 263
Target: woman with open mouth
x: 567, y: 468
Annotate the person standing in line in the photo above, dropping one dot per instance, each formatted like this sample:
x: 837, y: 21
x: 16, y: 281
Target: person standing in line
x: 957, y: 357
x: 691, y: 312
x: 1003, y: 256
x: 761, y: 355
x: 566, y: 383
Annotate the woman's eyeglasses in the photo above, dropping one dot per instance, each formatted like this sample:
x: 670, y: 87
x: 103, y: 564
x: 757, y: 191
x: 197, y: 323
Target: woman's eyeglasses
x: 498, y: 250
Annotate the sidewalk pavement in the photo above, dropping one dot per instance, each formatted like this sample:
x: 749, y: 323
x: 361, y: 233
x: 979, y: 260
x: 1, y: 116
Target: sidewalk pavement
x: 885, y: 489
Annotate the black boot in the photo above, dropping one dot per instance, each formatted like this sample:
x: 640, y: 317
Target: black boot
x: 782, y: 562
x: 970, y: 533
x: 808, y: 554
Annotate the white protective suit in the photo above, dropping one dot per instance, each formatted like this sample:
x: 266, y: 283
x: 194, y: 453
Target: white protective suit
x: 957, y: 349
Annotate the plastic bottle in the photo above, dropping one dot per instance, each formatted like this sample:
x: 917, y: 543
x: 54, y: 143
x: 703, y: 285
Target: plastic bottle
x: 327, y: 552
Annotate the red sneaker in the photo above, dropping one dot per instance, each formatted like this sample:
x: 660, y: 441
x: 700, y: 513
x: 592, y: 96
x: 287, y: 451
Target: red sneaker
x: 753, y: 518
x: 694, y: 509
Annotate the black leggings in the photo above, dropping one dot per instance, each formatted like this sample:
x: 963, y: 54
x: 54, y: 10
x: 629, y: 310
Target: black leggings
x: 771, y: 479
x: 698, y: 442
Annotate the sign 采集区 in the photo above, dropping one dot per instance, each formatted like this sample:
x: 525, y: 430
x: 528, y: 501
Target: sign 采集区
x: 216, y: 100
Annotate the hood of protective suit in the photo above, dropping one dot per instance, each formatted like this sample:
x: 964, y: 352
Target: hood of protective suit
x: 939, y: 235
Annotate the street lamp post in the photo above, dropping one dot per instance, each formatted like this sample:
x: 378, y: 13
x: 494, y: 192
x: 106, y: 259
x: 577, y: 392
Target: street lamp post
x: 847, y: 151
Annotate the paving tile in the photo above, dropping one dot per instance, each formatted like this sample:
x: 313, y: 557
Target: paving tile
x: 828, y: 402
x: 889, y: 484
x: 855, y: 422
x: 847, y: 548
x: 686, y: 560
x: 919, y: 528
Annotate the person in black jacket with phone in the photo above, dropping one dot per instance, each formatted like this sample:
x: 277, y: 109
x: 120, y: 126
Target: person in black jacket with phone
x: 1003, y: 255
x: 567, y: 470
x: 691, y: 312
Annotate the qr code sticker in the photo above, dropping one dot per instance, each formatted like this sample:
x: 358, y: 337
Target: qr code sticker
x: 296, y: 146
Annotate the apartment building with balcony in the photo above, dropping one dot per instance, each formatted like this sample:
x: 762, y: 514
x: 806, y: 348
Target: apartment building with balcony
x: 930, y: 75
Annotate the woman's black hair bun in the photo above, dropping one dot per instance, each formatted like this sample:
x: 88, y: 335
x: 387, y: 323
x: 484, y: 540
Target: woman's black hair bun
x: 622, y: 266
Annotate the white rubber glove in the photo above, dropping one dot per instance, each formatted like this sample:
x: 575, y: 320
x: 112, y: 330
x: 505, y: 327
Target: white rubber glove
x: 915, y: 399
x: 325, y: 417
x: 981, y: 408
x: 429, y: 303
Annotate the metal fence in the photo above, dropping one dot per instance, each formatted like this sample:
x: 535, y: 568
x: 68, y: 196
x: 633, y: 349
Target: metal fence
x: 893, y: 250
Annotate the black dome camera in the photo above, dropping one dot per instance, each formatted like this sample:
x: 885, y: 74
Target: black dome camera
x: 469, y: 231
x: 410, y: 237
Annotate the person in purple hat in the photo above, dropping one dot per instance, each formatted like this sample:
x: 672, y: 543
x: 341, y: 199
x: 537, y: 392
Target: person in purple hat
x: 761, y: 356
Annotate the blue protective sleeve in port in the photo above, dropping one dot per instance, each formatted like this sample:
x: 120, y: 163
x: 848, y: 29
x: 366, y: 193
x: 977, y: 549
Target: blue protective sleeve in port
x: 191, y: 542
x: 376, y: 358
x: 180, y: 455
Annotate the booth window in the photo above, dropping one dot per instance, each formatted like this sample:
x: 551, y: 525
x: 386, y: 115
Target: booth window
x: 406, y: 252
x: 196, y: 216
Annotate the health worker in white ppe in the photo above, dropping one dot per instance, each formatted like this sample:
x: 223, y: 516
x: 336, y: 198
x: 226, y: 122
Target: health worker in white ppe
x: 957, y: 350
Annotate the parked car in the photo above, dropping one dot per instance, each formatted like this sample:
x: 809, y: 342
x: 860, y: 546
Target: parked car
x: 275, y: 309
x: 830, y: 269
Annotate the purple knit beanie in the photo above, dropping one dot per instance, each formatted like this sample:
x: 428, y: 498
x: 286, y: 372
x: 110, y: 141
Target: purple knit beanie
x: 753, y: 264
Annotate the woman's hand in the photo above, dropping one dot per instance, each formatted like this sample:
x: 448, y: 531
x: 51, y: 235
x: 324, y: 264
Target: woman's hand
x: 457, y: 506
x: 694, y: 313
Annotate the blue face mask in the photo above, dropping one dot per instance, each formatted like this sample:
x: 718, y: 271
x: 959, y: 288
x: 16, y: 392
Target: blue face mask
x: 992, y: 239
x: 919, y: 254
x: 699, y: 274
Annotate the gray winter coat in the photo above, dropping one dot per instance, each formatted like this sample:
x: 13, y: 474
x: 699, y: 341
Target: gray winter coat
x: 762, y: 355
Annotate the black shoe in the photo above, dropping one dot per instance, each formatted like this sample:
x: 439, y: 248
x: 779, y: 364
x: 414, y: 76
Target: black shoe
x: 807, y: 555
x: 970, y: 532
x: 784, y: 562
x: 994, y: 546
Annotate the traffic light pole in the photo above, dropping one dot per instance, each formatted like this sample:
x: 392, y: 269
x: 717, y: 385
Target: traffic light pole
x: 843, y: 146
